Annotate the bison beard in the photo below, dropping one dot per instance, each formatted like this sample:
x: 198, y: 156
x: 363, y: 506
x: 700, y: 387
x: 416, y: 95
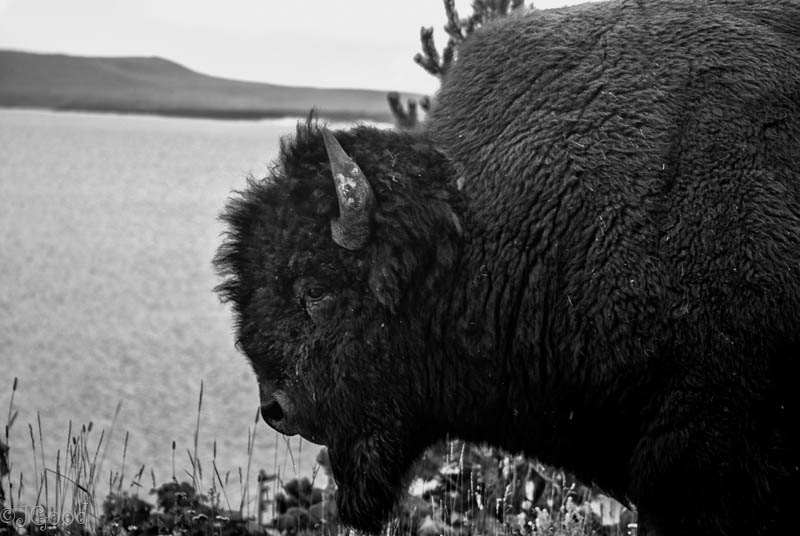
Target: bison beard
x: 370, y: 478
x: 591, y: 255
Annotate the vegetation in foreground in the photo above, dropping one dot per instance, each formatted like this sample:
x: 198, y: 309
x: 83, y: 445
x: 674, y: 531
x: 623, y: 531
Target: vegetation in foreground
x: 457, y: 489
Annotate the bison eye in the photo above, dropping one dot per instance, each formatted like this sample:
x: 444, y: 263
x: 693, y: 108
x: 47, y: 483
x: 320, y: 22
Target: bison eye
x: 315, y: 293
x: 314, y: 297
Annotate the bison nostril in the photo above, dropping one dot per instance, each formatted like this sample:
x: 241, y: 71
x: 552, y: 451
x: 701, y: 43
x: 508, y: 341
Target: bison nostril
x: 272, y: 412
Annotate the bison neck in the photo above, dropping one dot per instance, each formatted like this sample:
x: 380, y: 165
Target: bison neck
x: 520, y: 348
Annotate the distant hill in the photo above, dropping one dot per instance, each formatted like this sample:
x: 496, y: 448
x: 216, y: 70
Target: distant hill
x: 158, y: 86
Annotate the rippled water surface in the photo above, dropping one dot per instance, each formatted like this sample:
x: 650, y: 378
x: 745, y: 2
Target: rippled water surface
x: 108, y: 225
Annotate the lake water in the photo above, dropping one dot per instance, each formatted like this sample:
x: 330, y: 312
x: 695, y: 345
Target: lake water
x: 108, y: 224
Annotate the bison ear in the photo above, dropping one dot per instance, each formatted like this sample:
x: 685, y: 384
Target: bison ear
x: 383, y: 277
x: 415, y: 250
x: 351, y: 230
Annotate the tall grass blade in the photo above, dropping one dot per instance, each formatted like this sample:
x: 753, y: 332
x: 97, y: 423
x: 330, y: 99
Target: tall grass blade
x: 44, y: 472
x: 110, y: 435
x: 221, y: 485
x: 196, y: 438
x: 124, y: 456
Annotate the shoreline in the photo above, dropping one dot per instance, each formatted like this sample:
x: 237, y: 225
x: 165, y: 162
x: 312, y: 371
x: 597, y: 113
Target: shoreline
x: 206, y: 113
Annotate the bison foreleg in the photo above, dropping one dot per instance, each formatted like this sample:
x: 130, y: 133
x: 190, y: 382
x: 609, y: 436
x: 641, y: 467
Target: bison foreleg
x: 689, y: 478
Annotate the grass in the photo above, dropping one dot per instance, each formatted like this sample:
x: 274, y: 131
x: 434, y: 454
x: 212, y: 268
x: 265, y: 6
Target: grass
x: 113, y: 501
x: 461, y: 489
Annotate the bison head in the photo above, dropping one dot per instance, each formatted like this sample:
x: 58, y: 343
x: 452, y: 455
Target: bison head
x: 328, y: 263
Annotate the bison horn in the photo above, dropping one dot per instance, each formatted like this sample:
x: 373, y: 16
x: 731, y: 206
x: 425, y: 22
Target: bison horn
x: 351, y: 229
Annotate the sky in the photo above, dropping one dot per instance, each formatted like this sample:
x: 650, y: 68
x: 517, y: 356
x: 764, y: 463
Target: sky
x: 320, y: 43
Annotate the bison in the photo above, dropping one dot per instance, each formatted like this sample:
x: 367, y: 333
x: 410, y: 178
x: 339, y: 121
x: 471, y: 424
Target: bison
x: 590, y: 254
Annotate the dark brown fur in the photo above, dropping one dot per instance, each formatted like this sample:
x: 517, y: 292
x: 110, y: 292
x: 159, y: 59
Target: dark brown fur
x: 615, y: 288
